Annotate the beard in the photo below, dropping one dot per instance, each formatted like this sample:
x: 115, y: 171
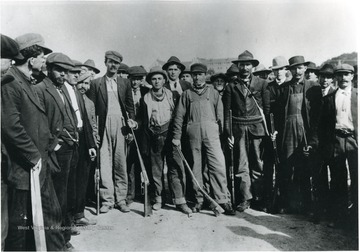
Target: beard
x: 58, y: 81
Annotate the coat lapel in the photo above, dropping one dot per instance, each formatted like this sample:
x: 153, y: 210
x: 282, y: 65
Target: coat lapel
x: 50, y: 88
x: 103, y: 90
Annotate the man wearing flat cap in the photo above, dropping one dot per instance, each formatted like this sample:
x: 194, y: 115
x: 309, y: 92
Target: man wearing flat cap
x: 326, y: 79
x: 299, y: 101
x: 63, y: 126
x: 201, y: 109
x: 26, y: 137
x: 123, y: 71
x: 249, y: 100
x: 338, y: 144
x: 114, y: 106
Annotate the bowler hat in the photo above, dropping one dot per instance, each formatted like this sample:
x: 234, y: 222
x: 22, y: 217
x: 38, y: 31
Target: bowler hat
x: 198, y: 68
x: 233, y: 70
x: 297, y: 60
x: 326, y: 69
x: 171, y: 61
x: 9, y: 48
x: 261, y: 69
x: 344, y: 68
x: 153, y: 71
x: 114, y: 55
x: 218, y: 75
x: 312, y: 67
x: 77, y: 67
x: 83, y: 77
x: 279, y: 62
x: 246, y: 56
x: 30, y: 39
x: 137, y: 71
x: 90, y: 63
x: 61, y: 60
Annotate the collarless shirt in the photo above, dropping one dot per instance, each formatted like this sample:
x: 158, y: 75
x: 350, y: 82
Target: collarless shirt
x: 344, y: 118
x: 74, y: 103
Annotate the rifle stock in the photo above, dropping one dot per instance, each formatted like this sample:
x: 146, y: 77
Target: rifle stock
x: 231, y: 167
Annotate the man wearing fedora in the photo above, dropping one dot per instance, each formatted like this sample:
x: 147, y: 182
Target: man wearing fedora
x: 113, y: 101
x: 312, y: 72
x: 89, y: 66
x: 298, y: 101
x: 248, y: 99
x: 261, y: 71
x: 26, y: 137
x: 201, y: 109
x: 338, y: 144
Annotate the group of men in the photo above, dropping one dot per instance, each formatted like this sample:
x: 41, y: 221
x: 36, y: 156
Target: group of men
x: 58, y: 123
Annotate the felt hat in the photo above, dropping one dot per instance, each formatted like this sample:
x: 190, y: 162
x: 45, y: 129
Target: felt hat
x: 30, y: 39
x: 171, y: 61
x: 198, y: 68
x: 297, y: 60
x: 218, y: 75
x: 9, y: 48
x: 279, y: 62
x: 61, y: 60
x: 312, y: 67
x: 232, y: 70
x: 90, y: 63
x: 83, y: 77
x: 261, y: 69
x: 326, y: 69
x: 137, y: 71
x: 114, y: 55
x: 246, y: 56
x: 153, y: 71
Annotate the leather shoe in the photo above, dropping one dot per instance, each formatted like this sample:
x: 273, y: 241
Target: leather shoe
x: 105, y: 209
x: 197, y: 207
x: 243, y: 206
x: 84, y: 222
x: 156, y: 206
x: 69, y: 247
x: 228, y: 209
x: 123, y: 208
x: 184, y: 208
x: 74, y: 230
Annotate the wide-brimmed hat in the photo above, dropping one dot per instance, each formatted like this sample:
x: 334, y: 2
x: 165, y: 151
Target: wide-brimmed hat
x: 61, y: 60
x: 312, y: 67
x: 344, y: 68
x: 10, y: 48
x: 90, y: 63
x: 198, y: 68
x: 123, y: 68
x: 84, y: 76
x: 261, y: 69
x: 218, y: 75
x: 246, y: 56
x: 114, y: 55
x: 326, y: 69
x: 137, y: 71
x: 173, y: 60
x: 297, y: 60
x: 279, y: 62
x: 153, y: 71
x: 30, y: 39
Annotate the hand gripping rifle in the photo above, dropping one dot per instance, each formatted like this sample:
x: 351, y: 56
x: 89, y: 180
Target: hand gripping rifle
x: 276, y: 164
x: 215, y: 207
x: 231, y: 167
x: 97, y: 176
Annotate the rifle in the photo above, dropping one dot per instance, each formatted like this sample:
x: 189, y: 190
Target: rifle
x: 215, y: 207
x: 37, y: 211
x: 309, y: 165
x: 231, y: 167
x: 276, y: 163
x: 97, y: 176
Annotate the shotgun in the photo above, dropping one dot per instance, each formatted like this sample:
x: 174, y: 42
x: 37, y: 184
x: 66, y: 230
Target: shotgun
x: 231, y: 166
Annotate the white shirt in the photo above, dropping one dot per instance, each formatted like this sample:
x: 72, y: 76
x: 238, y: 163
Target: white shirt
x: 325, y: 91
x: 344, y: 118
x: 177, y: 88
x: 74, y: 103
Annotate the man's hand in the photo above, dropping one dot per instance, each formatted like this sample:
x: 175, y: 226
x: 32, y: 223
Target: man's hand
x: 129, y: 138
x: 176, y: 142
x: 231, y: 142
x: 92, y: 154
x: 273, y: 135
x: 132, y: 124
x: 57, y: 147
x: 38, y: 165
x: 307, y: 150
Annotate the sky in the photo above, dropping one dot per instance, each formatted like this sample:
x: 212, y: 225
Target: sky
x: 143, y: 31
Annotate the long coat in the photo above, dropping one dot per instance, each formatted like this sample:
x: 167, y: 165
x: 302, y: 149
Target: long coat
x: 235, y: 99
x: 326, y: 129
x: 98, y: 94
x: 25, y: 130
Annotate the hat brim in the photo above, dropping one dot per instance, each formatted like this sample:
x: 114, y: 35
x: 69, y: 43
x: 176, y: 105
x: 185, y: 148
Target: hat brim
x: 262, y: 71
x: 65, y: 66
x: 343, y: 71
x: 93, y: 68
x: 254, y: 62
x: 114, y: 58
x: 216, y: 76
x: 150, y: 75
x: 300, y: 63
x: 46, y: 50
x: 279, y: 67
x: 167, y: 64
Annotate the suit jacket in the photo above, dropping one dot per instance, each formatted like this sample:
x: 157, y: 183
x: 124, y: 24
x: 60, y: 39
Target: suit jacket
x: 235, y: 99
x: 184, y: 86
x: 25, y: 130
x: 326, y: 129
x: 90, y: 109
x: 98, y: 94
x: 312, y: 97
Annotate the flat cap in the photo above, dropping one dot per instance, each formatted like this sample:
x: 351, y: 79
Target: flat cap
x: 90, y: 63
x: 114, y: 55
x: 9, y: 48
x: 123, y: 68
x: 198, y: 68
x: 61, y: 60
x: 153, y: 71
x: 30, y: 39
x: 137, y: 71
x: 344, y: 68
x: 77, y: 67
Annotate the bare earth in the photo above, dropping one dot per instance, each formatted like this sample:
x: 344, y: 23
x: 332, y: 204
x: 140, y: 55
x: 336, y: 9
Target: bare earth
x: 171, y: 230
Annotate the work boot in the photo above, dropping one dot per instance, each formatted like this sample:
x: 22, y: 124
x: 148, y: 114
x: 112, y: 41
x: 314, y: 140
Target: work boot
x: 84, y: 222
x: 197, y: 207
x: 243, y: 206
x: 74, y: 230
x: 105, y: 209
x: 122, y: 207
x: 228, y: 209
x: 69, y: 247
x: 156, y: 206
x: 184, y: 208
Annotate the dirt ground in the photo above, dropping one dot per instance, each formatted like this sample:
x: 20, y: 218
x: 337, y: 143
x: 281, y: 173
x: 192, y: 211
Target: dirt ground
x: 171, y: 230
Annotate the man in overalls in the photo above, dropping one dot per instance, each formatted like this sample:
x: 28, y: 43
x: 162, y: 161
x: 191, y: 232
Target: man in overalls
x: 201, y: 109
